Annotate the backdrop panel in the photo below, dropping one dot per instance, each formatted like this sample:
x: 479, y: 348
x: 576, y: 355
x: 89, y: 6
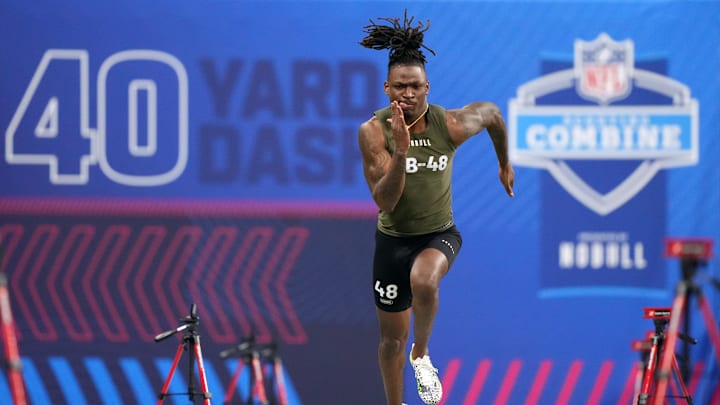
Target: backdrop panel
x: 158, y: 154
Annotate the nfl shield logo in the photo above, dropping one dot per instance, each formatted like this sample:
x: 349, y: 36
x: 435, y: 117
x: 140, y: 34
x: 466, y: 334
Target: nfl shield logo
x: 558, y: 136
x: 602, y: 128
x: 603, y: 69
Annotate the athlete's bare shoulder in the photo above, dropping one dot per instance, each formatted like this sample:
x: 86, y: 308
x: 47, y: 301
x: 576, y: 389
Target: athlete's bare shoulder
x: 471, y: 119
x: 370, y: 130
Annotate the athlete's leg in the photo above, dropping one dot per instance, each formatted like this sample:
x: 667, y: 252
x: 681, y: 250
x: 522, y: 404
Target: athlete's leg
x: 391, y: 287
x: 429, y: 268
x: 394, y: 331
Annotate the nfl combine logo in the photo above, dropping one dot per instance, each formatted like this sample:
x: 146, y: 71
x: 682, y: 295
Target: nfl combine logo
x: 603, y: 124
x: 657, y: 135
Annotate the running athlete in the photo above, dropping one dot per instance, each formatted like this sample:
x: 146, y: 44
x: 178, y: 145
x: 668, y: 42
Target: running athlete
x: 407, y: 151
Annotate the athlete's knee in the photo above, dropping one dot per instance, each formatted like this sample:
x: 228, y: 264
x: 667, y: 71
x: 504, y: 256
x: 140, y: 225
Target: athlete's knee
x: 424, y: 288
x: 392, y: 346
x: 429, y: 268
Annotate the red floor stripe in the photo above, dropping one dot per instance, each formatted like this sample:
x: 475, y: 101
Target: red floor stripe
x: 477, y: 383
x: 448, y: 380
x: 600, y: 383
x: 696, y: 376
x: 569, y: 385
x: 539, y: 383
x: 508, y: 383
x: 629, y: 390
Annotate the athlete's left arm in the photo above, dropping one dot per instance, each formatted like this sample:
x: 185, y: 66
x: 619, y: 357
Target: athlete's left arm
x: 472, y: 119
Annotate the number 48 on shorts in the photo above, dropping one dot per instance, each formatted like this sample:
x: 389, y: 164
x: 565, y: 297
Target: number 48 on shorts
x: 387, y: 293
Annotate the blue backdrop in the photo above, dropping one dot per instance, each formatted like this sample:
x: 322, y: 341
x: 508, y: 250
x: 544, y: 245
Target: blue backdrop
x: 158, y: 154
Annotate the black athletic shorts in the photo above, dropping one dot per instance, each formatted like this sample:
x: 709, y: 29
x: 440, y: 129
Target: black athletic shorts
x: 394, y: 257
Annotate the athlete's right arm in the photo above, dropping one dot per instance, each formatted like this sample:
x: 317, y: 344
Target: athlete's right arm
x: 384, y: 173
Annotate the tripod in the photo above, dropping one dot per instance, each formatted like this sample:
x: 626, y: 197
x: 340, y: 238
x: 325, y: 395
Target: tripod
x: 693, y: 254
x: 251, y: 354
x: 655, y: 355
x: 191, y: 344
x: 248, y: 354
x: 271, y: 352
x: 685, y: 290
x: 12, y: 354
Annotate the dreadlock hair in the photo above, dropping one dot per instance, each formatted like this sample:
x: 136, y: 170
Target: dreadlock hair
x: 403, y: 40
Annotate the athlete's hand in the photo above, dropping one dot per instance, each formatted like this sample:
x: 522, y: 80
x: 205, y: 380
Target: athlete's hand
x: 507, y: 178
x: 400, y: 131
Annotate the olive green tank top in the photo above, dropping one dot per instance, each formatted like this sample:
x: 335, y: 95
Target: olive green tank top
x: 426, y: 202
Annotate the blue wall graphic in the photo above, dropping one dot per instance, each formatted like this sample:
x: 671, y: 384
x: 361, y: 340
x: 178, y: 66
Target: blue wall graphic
x: 159, y: 154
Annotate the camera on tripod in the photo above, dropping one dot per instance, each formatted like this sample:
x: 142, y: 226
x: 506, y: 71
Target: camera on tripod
x: 191, y: 345
x: 660, y: 364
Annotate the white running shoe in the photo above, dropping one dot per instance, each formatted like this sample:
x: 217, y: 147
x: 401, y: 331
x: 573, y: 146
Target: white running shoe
x: 428, y: 383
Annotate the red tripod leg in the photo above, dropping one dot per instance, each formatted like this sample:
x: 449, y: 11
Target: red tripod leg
x: 259, y: 380
x: 683, y: 387
x: 637, y: 382
x: 668, y: 353
x: 12, y: 354
x: 201, y: 372
x: 649, y: 372
x: 280, y: 381
x: 711, y: 324
x: 166, y: 385
x: 233, y: 381
x: 716, y: 396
